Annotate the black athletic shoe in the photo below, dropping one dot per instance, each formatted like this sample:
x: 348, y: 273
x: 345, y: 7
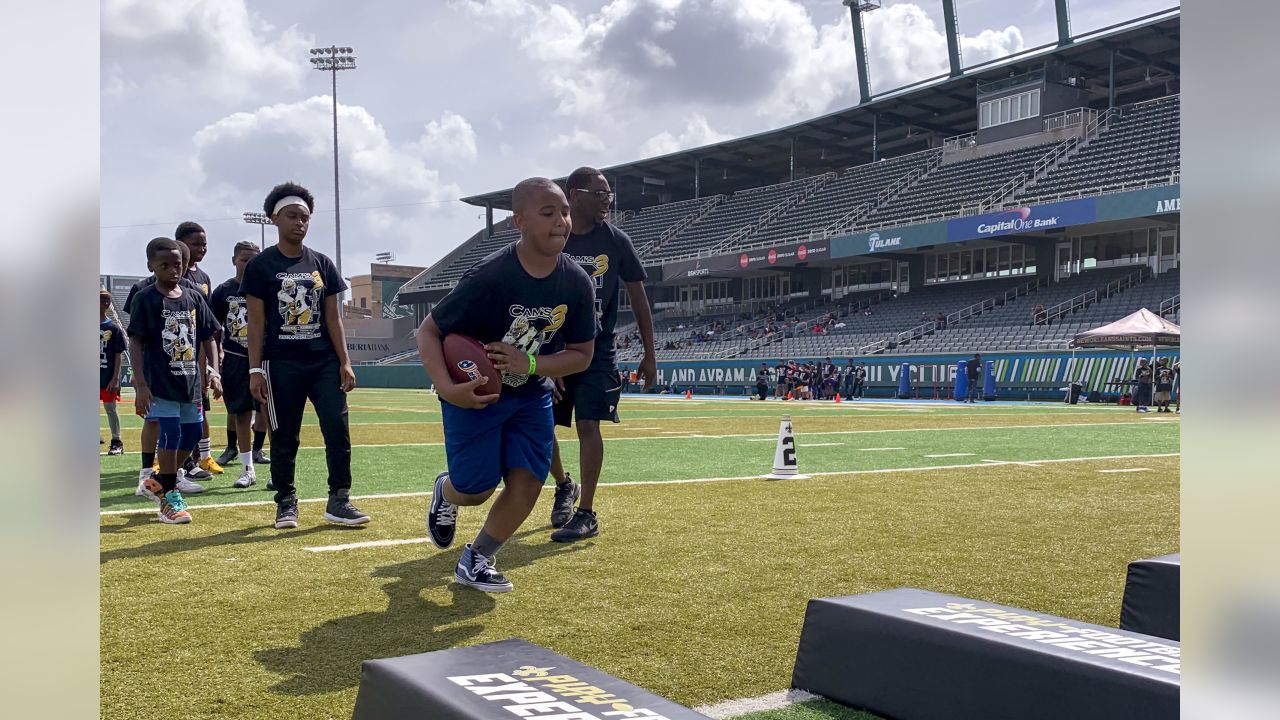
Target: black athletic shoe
x: 260, y: 458
x: 193, y: 471
x: 270, y: 485
x: 231, y: 453
x: 477, y: 571
x: 287, y: 514
x: 566, y: 495
x: 581, y: 526
x: 442, y: 517
x: 116, y: 448
x: 340, y: 510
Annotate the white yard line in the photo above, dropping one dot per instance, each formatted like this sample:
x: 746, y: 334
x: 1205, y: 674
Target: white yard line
x: 877, y: 471
x: 1126, y: 470
x: 366, y: 544
x: 808, y: 445
x: 883, y: 448
x: 743, y: 706
x: 942, y: 455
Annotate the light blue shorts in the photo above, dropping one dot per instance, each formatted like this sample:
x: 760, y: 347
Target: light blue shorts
x: 185, y: 412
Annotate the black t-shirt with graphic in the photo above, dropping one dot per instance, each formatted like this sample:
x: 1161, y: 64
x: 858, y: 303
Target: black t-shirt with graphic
x: 171, y: 329
x: 110, y: 341
x: 147, y: 282
x: 1164, y: 378
x: 293, y: 291
x: 608, y: 256
x: 230, y: 310
x: 201, y: 280
x: 860, y: 374
x: 1143, y: 374
x: 498, y: 301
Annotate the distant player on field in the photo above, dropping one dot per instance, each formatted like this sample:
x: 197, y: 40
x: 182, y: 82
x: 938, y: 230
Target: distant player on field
x: 1142, y: 389
x: 1164, y: 384
x: 606, y: 254
x: 111, y: 346
x: 519, y: 300
x: 231, y: 310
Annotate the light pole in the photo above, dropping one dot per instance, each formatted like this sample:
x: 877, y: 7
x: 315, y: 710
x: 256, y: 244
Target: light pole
x: 331, y: 60
x: 257, y: 218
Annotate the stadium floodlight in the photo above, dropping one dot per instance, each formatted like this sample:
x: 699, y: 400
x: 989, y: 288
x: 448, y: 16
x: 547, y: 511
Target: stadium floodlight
x: 331, y: 60
x: 257, y: 218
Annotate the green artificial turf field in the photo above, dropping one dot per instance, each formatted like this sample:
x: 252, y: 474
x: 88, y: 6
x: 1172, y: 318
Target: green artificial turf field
x: 694, y: 590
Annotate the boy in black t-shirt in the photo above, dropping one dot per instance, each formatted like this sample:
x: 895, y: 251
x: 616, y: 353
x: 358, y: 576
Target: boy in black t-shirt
x: 518, y: 301
x: 231, y: 310
x: 190, y: 234
x: 111, y: 345
x: 167, y: 324
x: 298, y: 352
x: 587, y: 398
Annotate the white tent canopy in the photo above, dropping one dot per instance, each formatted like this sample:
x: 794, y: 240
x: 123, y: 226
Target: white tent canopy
x: 1140, y: 330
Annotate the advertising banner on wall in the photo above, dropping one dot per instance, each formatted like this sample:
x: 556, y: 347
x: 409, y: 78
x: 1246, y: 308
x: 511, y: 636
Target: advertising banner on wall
x: 911, y: 236
x: 1162, y: 200
x: 788, y: 255
x: 1034, y: 218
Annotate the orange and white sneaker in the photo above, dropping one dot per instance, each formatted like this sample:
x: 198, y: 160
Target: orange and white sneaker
x: 210, y: 466
x: 173, y: 509
x: 149, y: 487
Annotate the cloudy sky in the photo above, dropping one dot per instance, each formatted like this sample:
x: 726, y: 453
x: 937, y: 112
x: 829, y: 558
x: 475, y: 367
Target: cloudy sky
x: 208, y: 103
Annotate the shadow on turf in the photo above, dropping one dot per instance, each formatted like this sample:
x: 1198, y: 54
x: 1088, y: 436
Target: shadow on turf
x: 328, y: 657
x: 185, y: 543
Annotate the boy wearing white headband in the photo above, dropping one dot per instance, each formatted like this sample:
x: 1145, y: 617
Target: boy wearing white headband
x: 298, y: 352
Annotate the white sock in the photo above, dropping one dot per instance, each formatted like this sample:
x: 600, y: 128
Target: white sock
x: 246, y: 458
x: 204, y: 448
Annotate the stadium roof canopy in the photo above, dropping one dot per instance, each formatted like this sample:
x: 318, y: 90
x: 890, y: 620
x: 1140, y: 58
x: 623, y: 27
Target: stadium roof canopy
x: 1142, y: 54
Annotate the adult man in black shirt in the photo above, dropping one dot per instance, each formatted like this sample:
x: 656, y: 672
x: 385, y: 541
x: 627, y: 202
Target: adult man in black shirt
x: 1142, y: 390
x: 973, y: 371
x: 607, y: 255
x: 298, y: 352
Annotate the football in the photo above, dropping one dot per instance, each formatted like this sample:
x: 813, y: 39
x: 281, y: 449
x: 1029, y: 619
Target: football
x: 468, y: 360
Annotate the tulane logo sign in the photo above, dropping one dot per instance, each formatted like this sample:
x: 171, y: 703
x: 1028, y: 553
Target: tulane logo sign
x: 875, y: 242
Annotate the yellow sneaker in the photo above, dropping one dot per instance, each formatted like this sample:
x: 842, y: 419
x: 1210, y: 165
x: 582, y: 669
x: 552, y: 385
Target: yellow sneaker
x: 211, y: 466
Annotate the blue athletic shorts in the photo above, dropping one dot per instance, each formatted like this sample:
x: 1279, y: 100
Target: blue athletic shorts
x: 185, y: 412
x: 483, y: 445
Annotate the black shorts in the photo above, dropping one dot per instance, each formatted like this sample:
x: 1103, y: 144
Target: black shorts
x: 590, y: 395
x: 235, y: 384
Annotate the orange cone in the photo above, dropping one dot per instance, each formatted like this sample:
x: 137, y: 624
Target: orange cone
x: 688, y: 394
x: 788, y: 394
x: 837, y: 397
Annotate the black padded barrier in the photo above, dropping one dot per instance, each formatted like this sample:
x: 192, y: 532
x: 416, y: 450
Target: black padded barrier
x: 917, y: 655
x: 1151, y: 604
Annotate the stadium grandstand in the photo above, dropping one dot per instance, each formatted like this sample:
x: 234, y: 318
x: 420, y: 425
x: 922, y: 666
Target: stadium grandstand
x: 1002, y: 208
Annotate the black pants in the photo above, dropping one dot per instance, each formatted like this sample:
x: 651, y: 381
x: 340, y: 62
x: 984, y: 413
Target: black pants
x: 290, y: 383
x: 859, y: 389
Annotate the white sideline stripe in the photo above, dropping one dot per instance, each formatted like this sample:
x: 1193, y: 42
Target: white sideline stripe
x: 367, y: 544
x: 743, y: 706
x: 878, y: 471
x: 951, y: 455
x: 885, y: 448
x: 1118, y: 470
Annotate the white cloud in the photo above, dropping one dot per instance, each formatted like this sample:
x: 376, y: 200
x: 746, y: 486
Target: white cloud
x: 450, y: 139
x: 216, y: 48
x: 240, y: 157
x: 697, y: 131
x: 578, y: 140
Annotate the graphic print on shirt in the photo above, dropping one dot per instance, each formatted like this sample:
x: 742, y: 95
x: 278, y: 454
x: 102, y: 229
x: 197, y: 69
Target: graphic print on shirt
x: 104, y: 338
x: 237, y: 322
x: 298, y: 301
x: 596, y: 266
x: 178, y: 340
x: 531, y: 328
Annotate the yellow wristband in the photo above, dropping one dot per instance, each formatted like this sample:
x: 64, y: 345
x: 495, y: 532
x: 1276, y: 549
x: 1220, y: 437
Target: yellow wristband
x: 533, y: 364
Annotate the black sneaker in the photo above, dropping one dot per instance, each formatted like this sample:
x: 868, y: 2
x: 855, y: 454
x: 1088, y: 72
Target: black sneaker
x: 270, y: 485
x: 477, y: 571
x: 231, y: 453
x: 566, y: 495
x: 442, y: 516
x: 193, y: 471
x: 260, y: 458
x: 287, y: 514
x: 581, y: 526
x: 340, y: 510
x: 116, y: 448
